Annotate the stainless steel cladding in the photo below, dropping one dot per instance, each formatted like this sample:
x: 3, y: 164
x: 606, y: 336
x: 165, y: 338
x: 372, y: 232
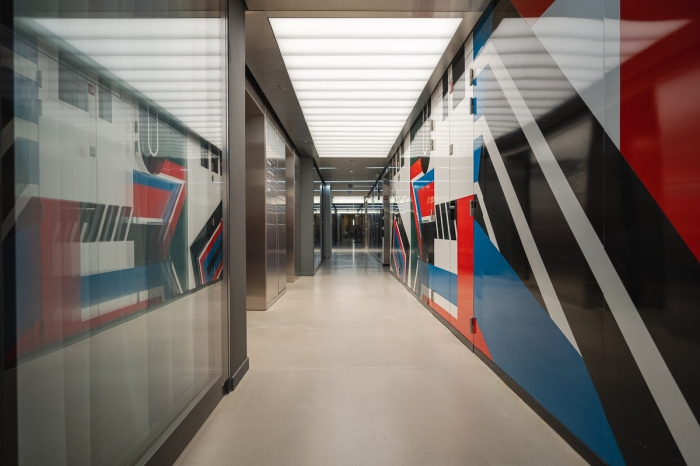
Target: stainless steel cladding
x: 265, y: 210
x: 293, y: 190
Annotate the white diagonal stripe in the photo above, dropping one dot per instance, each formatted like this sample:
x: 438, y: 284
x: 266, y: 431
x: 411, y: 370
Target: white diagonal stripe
x: 551, y: 300
x: 487, y: 219
x: 668, y: 396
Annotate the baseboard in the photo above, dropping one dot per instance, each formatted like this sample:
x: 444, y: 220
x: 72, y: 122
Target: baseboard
x: 238, y: 375
x: 177, y: 440
x: 568, y: 436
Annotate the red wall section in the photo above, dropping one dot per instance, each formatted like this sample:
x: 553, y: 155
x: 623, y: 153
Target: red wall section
x: 531, y: 10
x: 660, y: 106
x: 465, y: 267
x: 426, y: 199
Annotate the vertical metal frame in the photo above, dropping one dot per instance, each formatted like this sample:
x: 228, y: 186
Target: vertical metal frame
x: 8, y: 386
x: 234, y: 198
x: 225, y: 164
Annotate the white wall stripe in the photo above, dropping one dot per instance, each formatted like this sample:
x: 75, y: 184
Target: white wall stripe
x: 487, y: 219
x: 668, y: 396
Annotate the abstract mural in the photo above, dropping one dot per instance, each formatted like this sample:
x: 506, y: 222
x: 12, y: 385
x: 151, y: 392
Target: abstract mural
x: 550, y: 205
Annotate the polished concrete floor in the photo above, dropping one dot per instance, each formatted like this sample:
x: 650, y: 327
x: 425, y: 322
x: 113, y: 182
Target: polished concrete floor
x: 349, y: 369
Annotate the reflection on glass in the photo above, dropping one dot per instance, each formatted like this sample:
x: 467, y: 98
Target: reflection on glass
x: 117, y: 239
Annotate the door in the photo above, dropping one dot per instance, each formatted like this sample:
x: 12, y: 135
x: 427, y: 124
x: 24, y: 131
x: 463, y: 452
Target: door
x: 459, y: 210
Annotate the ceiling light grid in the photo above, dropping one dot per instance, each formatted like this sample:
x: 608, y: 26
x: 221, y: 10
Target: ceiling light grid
x: 357, y: 79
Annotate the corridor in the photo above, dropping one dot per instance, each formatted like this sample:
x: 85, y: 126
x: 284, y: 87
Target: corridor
x: 348, y: 368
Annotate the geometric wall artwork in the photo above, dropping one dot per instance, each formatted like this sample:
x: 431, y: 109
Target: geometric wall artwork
x: 545, y: 206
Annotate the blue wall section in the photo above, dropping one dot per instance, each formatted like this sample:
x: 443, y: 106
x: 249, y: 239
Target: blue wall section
x: 531, y: 349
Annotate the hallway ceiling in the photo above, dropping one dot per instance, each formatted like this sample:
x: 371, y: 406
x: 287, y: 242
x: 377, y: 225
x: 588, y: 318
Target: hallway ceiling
x: 340, y: 96
x: 357, y: 79
x: 403, y: 6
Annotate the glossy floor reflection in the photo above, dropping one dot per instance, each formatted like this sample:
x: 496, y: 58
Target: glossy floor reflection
x: 349, y: 369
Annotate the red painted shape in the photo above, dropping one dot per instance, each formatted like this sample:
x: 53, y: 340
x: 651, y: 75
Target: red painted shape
x: 426, y: 198
x: 176, y: 171
x: 417, y: 168
x: 150, y: 202
x: 465, y: 267
x: 465, y: 275
x: 415, y: 216
x: 531, y: 10
x: 60, y: 270
x: 660, y: 106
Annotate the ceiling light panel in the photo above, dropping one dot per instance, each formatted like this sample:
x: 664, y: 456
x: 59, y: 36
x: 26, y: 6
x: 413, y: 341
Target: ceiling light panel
x: 357, y: 79
x: 361, y: 75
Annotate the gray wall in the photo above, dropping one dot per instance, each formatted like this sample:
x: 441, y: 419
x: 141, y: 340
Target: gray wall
x: 234, y: 196
x: 307, y: 216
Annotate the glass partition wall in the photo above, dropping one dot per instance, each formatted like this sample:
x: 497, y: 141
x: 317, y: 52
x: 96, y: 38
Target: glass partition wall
x: 112, y: 257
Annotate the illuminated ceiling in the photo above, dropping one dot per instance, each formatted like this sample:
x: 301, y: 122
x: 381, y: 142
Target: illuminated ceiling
x: 357, y: 79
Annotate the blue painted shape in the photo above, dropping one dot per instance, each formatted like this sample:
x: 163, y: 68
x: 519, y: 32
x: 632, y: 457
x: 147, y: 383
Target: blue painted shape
x: 26, y: 163
x: 23, y: 274
x: 480, y: 93
x: 215, y: 256
x: 155, y: 181
x: 424, y: 180
x: 26, y: 98
x: 478, y: 143
x: 483, y: 28
x: 444, y: 283
x: 526, y: 344
x: 102, y: 287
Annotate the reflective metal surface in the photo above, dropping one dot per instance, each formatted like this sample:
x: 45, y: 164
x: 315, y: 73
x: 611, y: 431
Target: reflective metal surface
x: 256, y: 211
x: 293, y: 193
x: 265, y: 207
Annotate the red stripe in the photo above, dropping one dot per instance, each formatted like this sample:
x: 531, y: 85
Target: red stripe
x: 531, y: 10
x: 426, y: 197
x: 150, y: 202
x: 465, y: 266
x: 416, y: 168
